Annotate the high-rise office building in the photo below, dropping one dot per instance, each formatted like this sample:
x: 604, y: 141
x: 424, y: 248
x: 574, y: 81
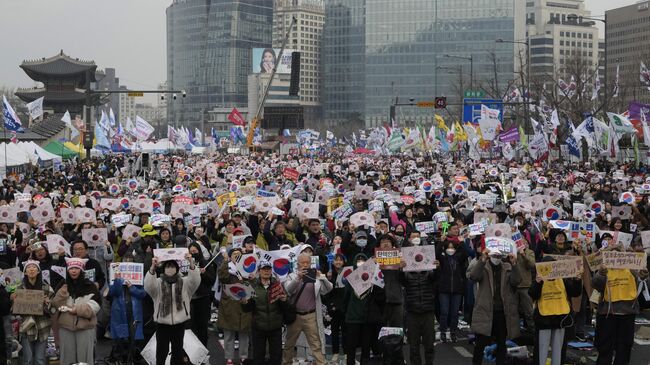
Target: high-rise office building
x: 557, y: 38
x: 344, y: 62
x: 209, y: 53
x: 380, y: 51
x: 628, y: 44
x: 305, y: 38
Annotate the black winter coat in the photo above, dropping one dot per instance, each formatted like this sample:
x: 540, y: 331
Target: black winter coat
x: 420, y: 290
x: 452, y: 271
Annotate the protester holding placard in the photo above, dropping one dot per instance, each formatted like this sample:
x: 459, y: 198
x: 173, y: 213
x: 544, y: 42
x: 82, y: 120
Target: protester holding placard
x: 171, y: 293
x: 126, y: 324
x: 34, y: 329
x: 232, y: 319
x: 267, y: 316
x: 420, y: 289
x: 77, y: 301
x: 358, y: 331
x: 496, y: 309
x: 202, y: 298
x: 526, y: 264
x: 394, y: 304
x: 616, y: 311
x: 553, y: 313
x: 93, y: 270
x: 451, y: 286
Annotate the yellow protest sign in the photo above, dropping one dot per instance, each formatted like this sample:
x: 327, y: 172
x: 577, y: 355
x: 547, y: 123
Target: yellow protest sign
x: 227, y: 198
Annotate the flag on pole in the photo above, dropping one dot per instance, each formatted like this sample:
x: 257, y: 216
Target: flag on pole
x: 573, y: 146
x: 620, y: 123
x: 101, y: 139
x: 11, y: 120
x: 74, y: 133
x: 596, y: 89
x: 36, y: 107
x: 111, y: 117
x: 616, y: 87
x: 237, y: 118
x: 644, y: 75
x: 441, y: 123
x: 523, y: 138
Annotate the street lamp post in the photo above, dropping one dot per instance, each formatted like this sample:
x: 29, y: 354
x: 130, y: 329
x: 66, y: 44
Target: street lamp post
x: 527, y: 93
x: 471, y: 67
x: 458, y: 69
x: 604, y: 21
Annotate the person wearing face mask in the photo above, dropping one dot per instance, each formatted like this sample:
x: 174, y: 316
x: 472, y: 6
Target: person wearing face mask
x: 451, y: 285
x: 77, y: 301
x: 495, y: 309
x: 171, y: 295
x: 354, y: 244
x: 414, y: 239
x: 202, y: 298
x: 420, y: 289
x: 357, y: 329
x: 617, y: 308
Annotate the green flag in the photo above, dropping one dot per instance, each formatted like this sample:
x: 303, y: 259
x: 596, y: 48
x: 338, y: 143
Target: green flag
x: 523, y: 138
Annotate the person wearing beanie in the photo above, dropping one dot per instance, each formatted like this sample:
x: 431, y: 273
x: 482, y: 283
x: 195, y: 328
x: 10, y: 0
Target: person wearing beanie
x: 77, y: 301
x: 92, y: 267
x: 171, y: 294
x: 34, y: 329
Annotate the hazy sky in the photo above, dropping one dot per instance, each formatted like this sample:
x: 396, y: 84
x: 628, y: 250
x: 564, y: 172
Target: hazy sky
x: 128, y: 35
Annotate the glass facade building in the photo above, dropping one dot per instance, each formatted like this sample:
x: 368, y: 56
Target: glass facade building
x: 404, y: 43
x: 209, y: 53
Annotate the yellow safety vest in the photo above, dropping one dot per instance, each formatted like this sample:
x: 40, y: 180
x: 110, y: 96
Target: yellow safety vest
x: 620, y: 285
x: 553, y: 301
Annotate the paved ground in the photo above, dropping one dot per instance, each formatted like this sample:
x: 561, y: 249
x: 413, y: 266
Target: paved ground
x: 456, y: 353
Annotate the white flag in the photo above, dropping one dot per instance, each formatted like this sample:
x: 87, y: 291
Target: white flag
x: 616, y: 88
x: 68, y: 123
x: 142, y: 129
x: 555, y: 120
x: 130, y: 128
x: 644, y: 75
x: 36, y: 107
x: 596, y: 89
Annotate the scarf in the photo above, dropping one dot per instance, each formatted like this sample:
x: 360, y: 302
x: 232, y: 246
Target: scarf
x: 166, y: 284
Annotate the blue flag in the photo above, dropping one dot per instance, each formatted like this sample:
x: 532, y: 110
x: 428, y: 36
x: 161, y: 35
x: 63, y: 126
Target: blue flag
x: 573, y: 146
x: 100, y: 137
x: 12, y: 122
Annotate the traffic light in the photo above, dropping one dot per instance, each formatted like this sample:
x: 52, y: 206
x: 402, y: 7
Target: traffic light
x: 440, y: 102
x: 294, y: 85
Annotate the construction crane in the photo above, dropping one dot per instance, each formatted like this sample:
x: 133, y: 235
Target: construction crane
x: 256, y: 120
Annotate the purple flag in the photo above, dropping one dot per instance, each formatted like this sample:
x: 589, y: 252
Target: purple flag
x: 639, y: 111
x: 511, y: 135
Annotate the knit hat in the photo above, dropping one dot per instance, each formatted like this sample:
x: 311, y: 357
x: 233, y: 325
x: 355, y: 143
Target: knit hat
x: 75, y: 262
x: 31, y: 262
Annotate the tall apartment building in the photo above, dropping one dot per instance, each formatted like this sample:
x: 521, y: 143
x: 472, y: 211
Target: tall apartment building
x: 209, y: 53
x: 127, y: 106
x: 628, y: 44
x: 556, y: 38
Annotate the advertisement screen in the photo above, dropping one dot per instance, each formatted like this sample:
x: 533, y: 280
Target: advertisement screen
x: 264, y: 59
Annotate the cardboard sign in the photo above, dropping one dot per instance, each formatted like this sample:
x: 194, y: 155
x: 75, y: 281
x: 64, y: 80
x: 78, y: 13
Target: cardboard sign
x: 645, y: 239
x: 291, y: 174
x: 583, y: 230
x: 95, y: 237
x: 361, y: 279
x: 159, y: 219
x: 498, y: 230
x: 28, y: 302
x: 238, y: 241
x: 275, y: 291
x: 68, y: 216
x: 43, y: 213
x: 362, y: 219
x: 624, y: 260
x: 8, y: 214
x: 595, y: 261
x: 388, y: 259
x: 23, y: 197
x: 426, y: 227
x: 623, y: 212
x: 85, y: 215
x: 343, y: 211
x: 131, y: 232
x: 129, y: 271
x: 569, y: 267
x: 54, y: 242
x: 490, y: 217
x: 502, y: 245
x: 419, y: 258
x: 168, y: 254
x: 390, y: 331
x: 119, y: 220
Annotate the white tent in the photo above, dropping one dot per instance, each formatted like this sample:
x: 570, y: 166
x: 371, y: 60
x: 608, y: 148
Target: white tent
x: 162, y: 145
x: 12, y: 155
x: 36, y: 152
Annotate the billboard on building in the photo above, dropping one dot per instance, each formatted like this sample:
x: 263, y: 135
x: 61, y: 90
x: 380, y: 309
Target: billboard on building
x: 264, y: 59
